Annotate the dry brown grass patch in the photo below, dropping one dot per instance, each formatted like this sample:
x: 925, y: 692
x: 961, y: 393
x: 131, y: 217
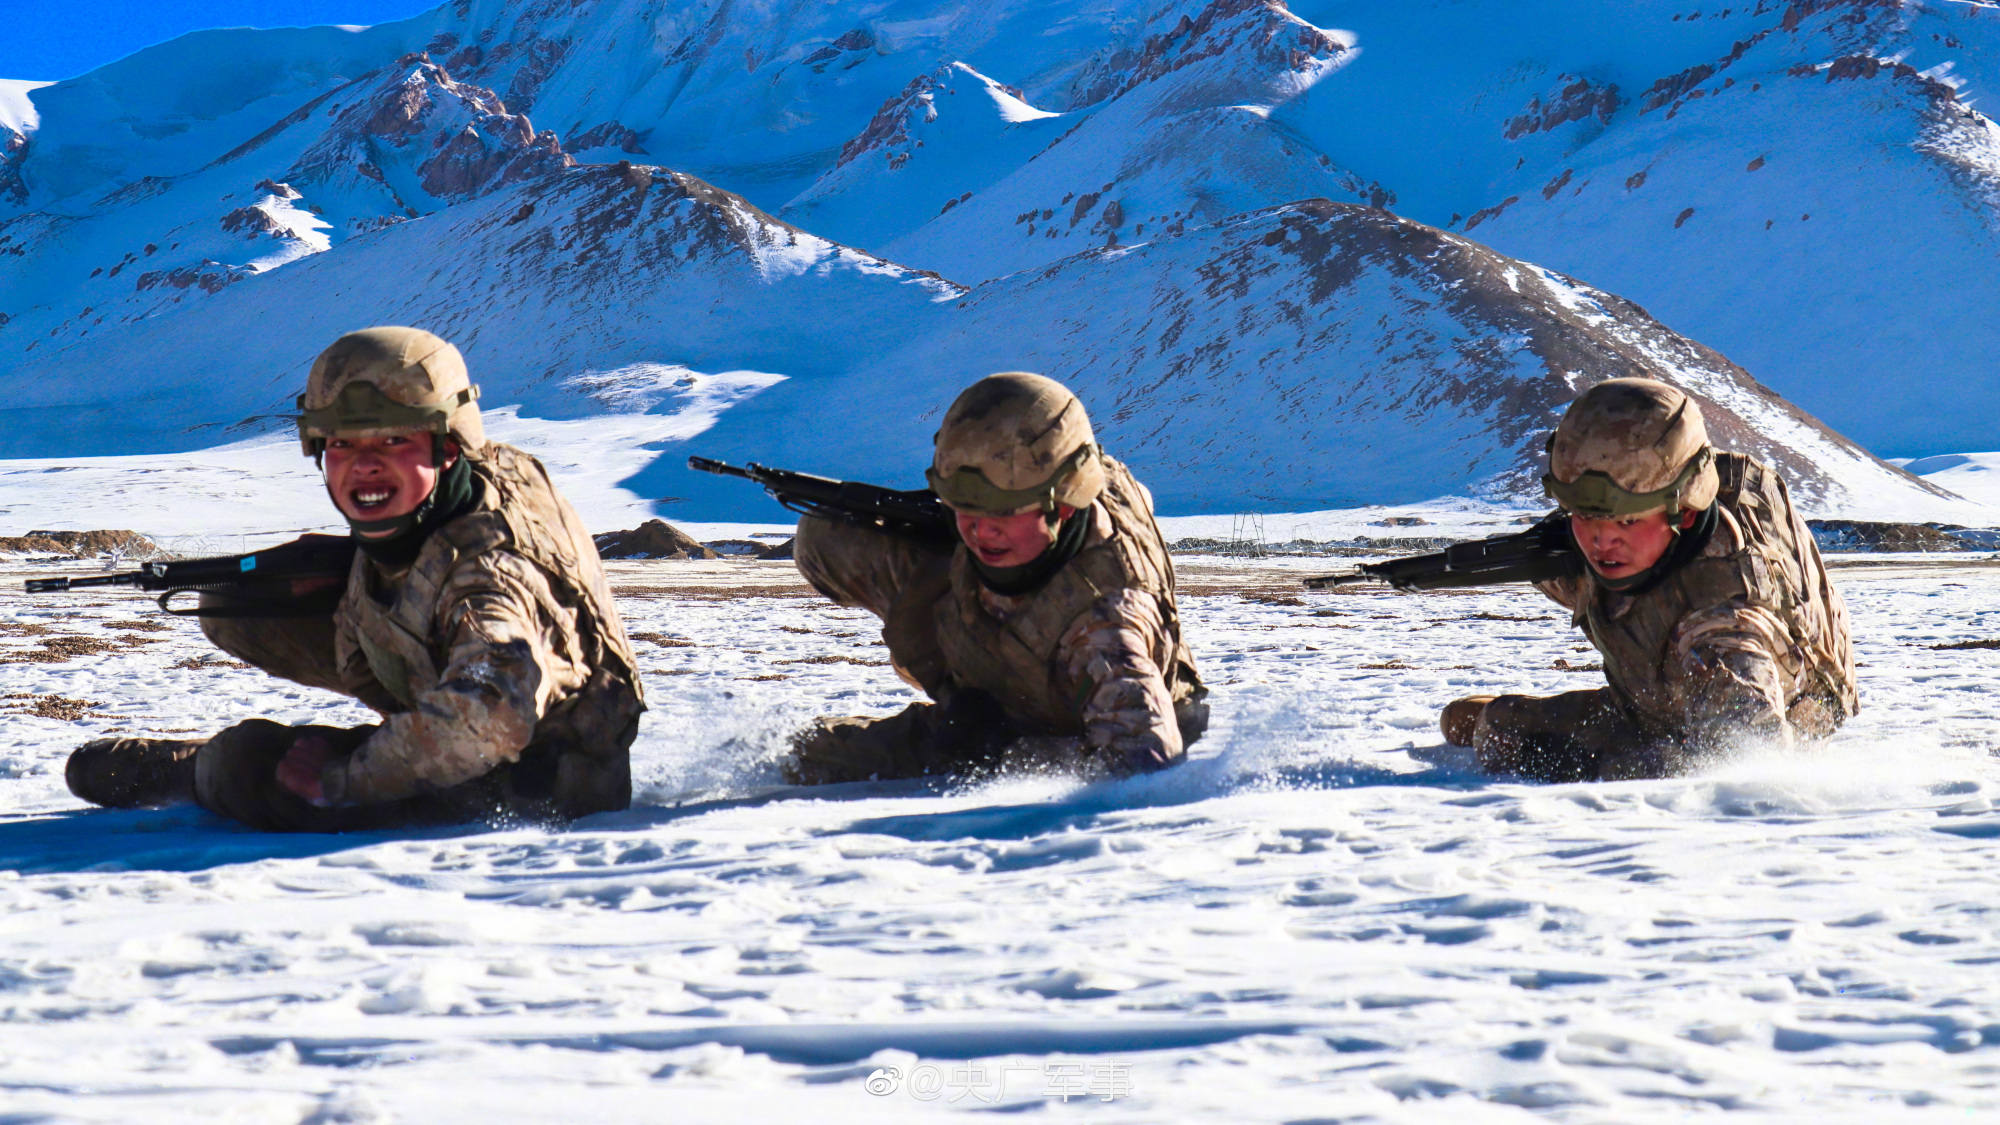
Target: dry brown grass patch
x: 57, y: 649
x: 663, y: 640
x: 49, y: 706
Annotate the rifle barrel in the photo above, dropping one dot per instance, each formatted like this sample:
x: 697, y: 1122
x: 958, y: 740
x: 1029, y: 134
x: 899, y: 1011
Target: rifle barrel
x: 1344, y: 578
x: 58, y: 585
x: 719, y: 468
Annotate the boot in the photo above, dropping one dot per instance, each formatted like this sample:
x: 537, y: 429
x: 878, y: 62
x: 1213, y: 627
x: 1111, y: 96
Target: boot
x: 133, y: 773
x: 1461, y: 717
x: 859, y: 748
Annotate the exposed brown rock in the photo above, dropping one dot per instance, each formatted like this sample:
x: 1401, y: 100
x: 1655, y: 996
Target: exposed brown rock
x: 750, y: 548
x: 889, y: 128
x: 1673, y: 86
x: 606, y: 134
x: 1866, y: 535
x: 253, y: 221
x: 1264, y: 30
x: 210, y: 276
x: 1493, y: 212
x: 399, y: 113
x: 1578, y: 99
x: 86, y: 544
x: 654, y: 539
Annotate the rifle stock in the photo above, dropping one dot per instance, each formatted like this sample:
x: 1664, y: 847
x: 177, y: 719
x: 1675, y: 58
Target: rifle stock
x: 1543, y: 552
x: 917, y: 516
x: 303, y: 578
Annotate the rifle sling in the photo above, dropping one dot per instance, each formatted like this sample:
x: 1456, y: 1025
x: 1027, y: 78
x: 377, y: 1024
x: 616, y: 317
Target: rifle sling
x: 319, y: 603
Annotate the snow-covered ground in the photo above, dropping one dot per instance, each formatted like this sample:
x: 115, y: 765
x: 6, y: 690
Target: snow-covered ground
x: 1323, y: 915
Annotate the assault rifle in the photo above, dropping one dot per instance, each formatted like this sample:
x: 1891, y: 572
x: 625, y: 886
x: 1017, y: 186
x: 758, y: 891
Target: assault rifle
x: 1544, y: 551
x: 917, y: 516
x: 303, y: 578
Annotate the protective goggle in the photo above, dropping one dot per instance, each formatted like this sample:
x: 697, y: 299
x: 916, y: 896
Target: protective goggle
x: 361, y: 410
x: 1594, y: 495
x: 968, y: 490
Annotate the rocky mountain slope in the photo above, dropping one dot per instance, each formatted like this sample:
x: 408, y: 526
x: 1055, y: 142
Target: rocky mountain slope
x: 1194, y: 212
x: 1310, y: 356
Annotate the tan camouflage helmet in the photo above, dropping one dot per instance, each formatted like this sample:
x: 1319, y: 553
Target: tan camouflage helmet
x: 1016, y: 442
x: 390, y: 380
x: 1627, y: 447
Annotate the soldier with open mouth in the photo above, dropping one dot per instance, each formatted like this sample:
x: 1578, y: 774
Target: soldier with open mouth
x: 475, y: 620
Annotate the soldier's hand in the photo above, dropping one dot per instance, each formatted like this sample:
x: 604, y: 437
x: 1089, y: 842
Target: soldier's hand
x: 300, y: 768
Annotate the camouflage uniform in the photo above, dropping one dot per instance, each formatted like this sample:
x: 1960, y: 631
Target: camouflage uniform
x: 1089, y: 671
x: 489, y: 645
x: 496, y: 658
x: 1747, y: 639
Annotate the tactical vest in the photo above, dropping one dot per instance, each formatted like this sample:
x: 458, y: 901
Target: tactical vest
x: 1769, y: 560
x: 577, y: 760
x: 941, y: 637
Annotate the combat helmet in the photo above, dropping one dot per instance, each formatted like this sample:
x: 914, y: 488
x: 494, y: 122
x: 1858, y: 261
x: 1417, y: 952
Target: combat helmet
x: 1016, y: 442
x: 386, y: 380
x: 1627, y: 447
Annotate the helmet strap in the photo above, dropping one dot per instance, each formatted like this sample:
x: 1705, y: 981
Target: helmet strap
x: 1015, y: 581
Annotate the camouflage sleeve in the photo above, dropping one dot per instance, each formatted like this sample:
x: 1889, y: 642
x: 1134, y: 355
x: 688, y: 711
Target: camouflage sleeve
x: 1731, y: 665
x: 854, y: 566
x: 496, y: 684
x: 1112, y: 659
x: 358, y: 680
x: 1568, y: 593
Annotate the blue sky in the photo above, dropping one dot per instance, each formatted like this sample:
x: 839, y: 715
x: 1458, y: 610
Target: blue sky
x: 49, y: 40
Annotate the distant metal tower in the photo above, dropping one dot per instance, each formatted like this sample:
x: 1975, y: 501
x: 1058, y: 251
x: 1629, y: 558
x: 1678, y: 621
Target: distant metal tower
x: 1246, y: 535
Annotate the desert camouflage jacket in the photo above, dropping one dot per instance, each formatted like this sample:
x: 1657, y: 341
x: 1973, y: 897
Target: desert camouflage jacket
x: 1749, y: 637
x: 503, y: 653
x: 1096, y: 652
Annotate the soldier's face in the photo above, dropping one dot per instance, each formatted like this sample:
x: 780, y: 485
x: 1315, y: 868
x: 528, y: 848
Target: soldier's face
x: 1004, y: 541
x: 1621, y: 548
x: 381, y: 477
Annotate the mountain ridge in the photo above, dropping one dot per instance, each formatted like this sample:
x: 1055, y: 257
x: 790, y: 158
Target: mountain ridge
x: 396, y: 173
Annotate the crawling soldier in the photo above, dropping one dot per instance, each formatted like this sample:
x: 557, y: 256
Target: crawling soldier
x: 476, y: 621
x: 1049, y: 637
x: 1704, y: 592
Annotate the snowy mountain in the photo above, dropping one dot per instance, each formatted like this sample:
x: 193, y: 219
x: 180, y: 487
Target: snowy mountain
x: 1317, y: 355
x: 625, y: 207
